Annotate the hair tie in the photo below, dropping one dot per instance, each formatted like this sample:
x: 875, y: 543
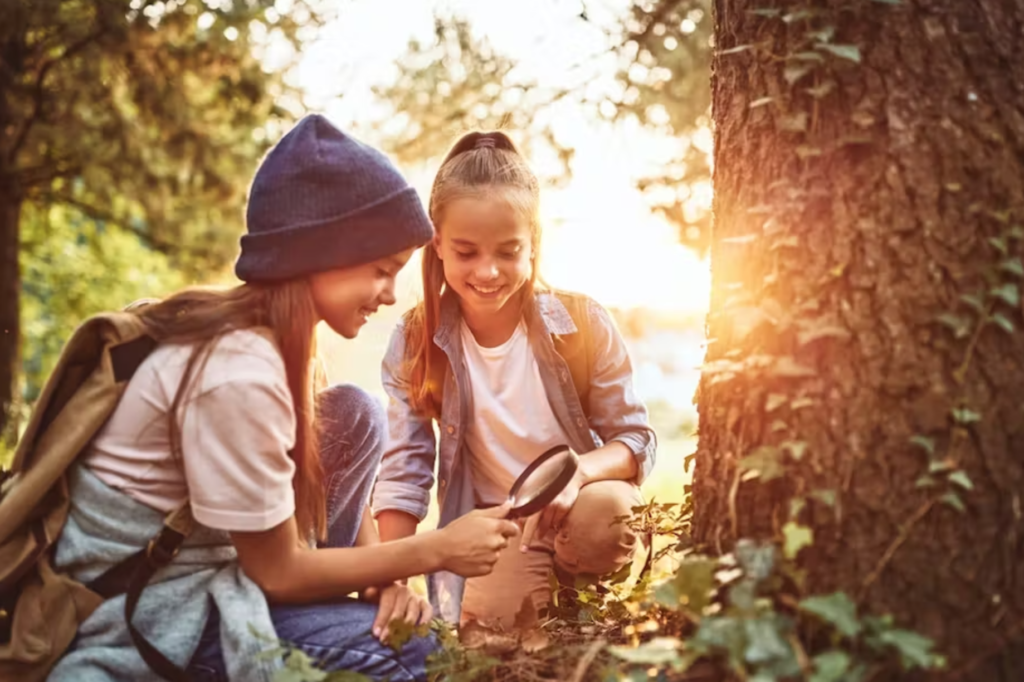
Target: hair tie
x: 482, y: 142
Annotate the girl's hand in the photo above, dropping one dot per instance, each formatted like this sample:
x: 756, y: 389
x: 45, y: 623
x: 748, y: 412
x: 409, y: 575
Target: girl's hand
x: 396, y: 602
x: 470, y: 545
x: 550, y: 519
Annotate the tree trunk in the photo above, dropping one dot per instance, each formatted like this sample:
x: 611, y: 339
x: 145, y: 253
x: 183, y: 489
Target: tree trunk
x: 853, y: 211
x: 10, y: 293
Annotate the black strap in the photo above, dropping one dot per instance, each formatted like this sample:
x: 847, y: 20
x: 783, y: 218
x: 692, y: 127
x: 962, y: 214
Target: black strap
x: 131, y: 576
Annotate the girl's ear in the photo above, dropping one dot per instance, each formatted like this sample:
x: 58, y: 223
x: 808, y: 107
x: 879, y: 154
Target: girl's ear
x: 435, y: 243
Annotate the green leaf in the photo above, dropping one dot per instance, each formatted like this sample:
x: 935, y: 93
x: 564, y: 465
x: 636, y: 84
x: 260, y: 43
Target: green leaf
x: 691, y: 586
x: 794, y: 123
x: 774, y: 401
x: 795, y: 448
x: 999, y: 244
x: 1008, y: 293
x: 756, y: 559
x: 830, y: 666
x: 721, y: 634
x: 915, y: 650
x: 823, y: 34
x: 766, y: 12
x: 825, y: 497
x: 796, y: 505
x: 925, y: 481
x: 760, y: 102
x: 836, y: 608
x: 797, y: 16
x: 1003, y: 323
x: 960, y: 478
x: 795, y: 538
x: 925, y: 443
x: 657, y: 652
x: 964, y: 415
x: 974, y: 301
x: 766, y: 640
x: 958, y: 324
x: 850, y: 52
x: 954, y: 501
x: 1012, y: 266
x: 821, y: 89
x: 763, y: 462
x: 794, y: 72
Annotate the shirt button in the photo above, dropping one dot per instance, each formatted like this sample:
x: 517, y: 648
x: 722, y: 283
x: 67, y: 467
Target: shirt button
x: 450, y: 429
x: 443, y: 483
x: 565, y: 376
x: 580, y: 422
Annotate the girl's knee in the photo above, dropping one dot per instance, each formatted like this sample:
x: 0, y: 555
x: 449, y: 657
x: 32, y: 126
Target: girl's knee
x: 596, y: 538
x: 349, y: 409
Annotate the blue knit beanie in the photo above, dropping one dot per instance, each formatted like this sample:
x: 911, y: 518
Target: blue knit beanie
x: 322, y: 200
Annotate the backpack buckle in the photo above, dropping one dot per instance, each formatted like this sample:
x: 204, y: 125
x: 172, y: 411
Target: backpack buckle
x: 162, y: 549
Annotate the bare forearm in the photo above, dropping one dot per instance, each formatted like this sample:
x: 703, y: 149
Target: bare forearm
x: 395, y: 525
x: 613, y: 461
x: 325, y: 574
x: 367, y: 534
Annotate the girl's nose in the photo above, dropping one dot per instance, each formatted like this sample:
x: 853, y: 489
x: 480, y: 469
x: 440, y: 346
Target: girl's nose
x: 487, y: 271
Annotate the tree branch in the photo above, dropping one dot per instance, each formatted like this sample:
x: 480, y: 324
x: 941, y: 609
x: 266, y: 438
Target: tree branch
x: 37, y: 97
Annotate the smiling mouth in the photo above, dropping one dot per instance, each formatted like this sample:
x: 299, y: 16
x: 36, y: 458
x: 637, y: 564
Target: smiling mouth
x: 486, y: 291
x: 367, y: 312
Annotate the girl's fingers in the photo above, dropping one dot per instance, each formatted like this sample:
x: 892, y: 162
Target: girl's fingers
x: 384, y: 610
x: 426, y: 613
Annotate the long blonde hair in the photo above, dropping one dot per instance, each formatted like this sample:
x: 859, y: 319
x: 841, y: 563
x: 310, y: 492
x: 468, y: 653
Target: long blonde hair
x: 201, y: 316
x: 479, y: 164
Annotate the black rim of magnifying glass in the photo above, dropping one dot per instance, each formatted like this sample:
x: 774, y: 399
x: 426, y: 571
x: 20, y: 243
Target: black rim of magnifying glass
x: 551, y: 491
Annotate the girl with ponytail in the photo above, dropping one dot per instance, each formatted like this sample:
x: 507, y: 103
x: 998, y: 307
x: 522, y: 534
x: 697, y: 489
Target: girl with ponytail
x: 480, y: 356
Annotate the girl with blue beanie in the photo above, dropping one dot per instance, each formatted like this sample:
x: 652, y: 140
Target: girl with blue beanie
x: 507, y: 368
x: 223, y: 415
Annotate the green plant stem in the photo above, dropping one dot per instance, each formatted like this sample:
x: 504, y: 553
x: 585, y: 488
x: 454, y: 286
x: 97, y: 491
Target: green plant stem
x: 897, y: 542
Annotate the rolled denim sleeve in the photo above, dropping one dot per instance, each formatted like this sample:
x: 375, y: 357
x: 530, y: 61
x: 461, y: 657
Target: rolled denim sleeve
x: 616, y: 411
x: 407, y: 470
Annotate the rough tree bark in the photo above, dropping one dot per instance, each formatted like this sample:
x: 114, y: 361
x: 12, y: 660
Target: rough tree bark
x: 852, y: 209
x: 10, y: 210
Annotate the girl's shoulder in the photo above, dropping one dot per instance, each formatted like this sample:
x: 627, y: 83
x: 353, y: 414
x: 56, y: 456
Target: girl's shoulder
x: 243, y: 356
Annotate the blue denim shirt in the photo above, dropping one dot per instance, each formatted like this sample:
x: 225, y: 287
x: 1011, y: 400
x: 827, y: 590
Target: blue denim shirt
x: 407, y: 472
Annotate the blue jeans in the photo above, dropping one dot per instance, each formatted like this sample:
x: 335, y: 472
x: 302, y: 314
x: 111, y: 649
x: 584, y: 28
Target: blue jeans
x: 336, y: 635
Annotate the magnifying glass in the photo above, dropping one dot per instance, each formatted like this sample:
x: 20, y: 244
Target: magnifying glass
x: 542, y: 481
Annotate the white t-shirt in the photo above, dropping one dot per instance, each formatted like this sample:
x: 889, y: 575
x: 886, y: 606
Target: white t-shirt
x: 512, y: 421
x: 237, y: 426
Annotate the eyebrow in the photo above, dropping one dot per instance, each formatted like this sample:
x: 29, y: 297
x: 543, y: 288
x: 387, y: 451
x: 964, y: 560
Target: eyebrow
x: 396, y: 262
x: 507, y: 242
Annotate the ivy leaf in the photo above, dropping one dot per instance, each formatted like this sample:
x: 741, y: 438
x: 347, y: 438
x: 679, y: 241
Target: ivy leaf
x: 796, y: 537
x: 830, y: 666
x: 836, y: 608
x: 822, y: 89
x: 823, y: 34
x: 825, y: 497
x: 954, y: 501
x: 796, y: 505
x: 795, y: 448
x: 824, y: 331
x: 760, y: 102
x: 999, y: 244
x: 1008, y: 293
x: 756, y: 559
x: 1012, y: 266
x: 794, y: 72
x: 775, y: 401
x: 925, y: 443
x: 797, y: 16
x: 958, y: 324
x: 766, y: 12
x: 657, y: 652
x: 960, y: 478
x: 974, y: 301
x: 1003, y: 323
x: 691, y: 586
x: 851, y: 52
x: 925, y: 482
x: 763, y: 462
x: 915, y: 650
x: 766, y: 641
x: 964, y: 415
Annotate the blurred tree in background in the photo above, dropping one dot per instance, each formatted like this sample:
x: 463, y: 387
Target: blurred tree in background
x: 133, y: 119
x: 663, y: 51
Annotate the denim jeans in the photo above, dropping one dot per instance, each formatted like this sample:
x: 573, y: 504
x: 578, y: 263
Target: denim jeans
x: 336, y: 635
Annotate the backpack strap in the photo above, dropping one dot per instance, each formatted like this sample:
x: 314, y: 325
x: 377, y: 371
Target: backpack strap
x: 576, y: 349
x: 131, y: 576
